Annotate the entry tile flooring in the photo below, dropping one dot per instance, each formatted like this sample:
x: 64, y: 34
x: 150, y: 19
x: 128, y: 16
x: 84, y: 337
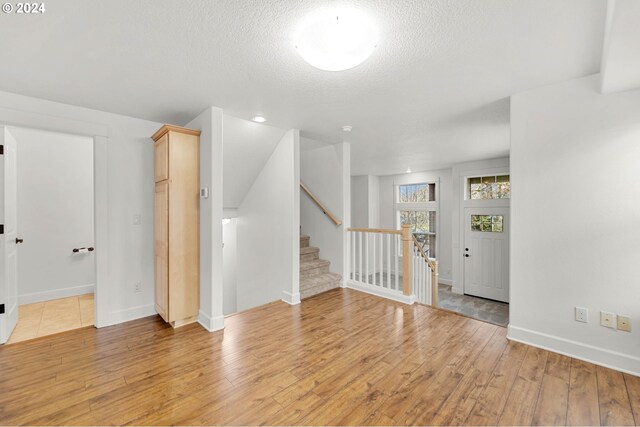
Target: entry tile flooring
x: 478, y: 308
x: 51, y: 317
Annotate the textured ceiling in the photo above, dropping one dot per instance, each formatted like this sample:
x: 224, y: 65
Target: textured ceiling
x: 435, y: 91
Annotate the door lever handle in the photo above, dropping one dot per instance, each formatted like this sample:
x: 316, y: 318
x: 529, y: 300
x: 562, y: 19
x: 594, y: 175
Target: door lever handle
x: 18, y: 241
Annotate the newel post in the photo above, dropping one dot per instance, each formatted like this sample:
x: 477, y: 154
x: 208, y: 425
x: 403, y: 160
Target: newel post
x: 406, y: 259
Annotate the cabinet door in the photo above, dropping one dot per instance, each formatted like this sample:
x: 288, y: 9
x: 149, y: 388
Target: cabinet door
x: 162, y: 158
x: 162, y: 249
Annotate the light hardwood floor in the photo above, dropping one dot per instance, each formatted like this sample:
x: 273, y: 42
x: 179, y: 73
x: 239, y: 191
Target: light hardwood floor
x: 52, y: 317
x: 341, y: 357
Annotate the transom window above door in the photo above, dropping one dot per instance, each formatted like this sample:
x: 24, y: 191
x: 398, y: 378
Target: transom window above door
x: 489, y: 187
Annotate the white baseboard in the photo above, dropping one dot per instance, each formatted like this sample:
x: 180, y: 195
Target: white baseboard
x: 211, y: 324
x: 290, y: 298
x: 55, y: 294
x: 132, y: 313
x: 597, y: 355
x: 381, y: 292
x: 445, y: 281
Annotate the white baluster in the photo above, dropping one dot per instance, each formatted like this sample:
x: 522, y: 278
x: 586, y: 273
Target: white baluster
x: 366, y: 260
x: 388, y: 261
x: 360, y: 257
x: 395, y: 258
x: 381, y: 265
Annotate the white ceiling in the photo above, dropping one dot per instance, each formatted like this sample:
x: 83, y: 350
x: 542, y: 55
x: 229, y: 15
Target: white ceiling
x: 435, y: 91
x: 246, y: 148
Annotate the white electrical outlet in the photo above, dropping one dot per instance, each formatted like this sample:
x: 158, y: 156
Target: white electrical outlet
x: 624, y: 323
x: 607, y: 319
x: 137, y: 287
x: 137, y: 219
x: 582, y: 314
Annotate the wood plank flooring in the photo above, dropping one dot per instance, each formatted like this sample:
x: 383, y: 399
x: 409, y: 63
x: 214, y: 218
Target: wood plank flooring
x: 339, y: 358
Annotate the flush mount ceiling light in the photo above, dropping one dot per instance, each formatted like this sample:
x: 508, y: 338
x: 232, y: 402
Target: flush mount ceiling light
x: 347, y: 128
x: 336, y: 40
x: 259, y: 119
x: 408, y: 170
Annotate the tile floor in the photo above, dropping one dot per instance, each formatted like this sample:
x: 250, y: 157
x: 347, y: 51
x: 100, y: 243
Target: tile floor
x: 479, y: 308
x: 51, y: 317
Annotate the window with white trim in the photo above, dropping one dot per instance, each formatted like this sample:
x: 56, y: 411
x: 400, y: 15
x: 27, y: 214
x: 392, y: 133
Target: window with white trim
x: 416, y: 205
x: 489, y: 187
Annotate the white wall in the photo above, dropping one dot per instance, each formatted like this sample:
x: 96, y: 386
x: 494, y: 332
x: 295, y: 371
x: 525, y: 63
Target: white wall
x: 55, y: 214
x: 124, y: 166
x: 459, y: 175
x: 365, y: 201
x: 323, y: 171
x: 247, y: 146
x: 576, y: 220
x: 268, y: 230
x: 387, y: 211
x: 209, y: 122
x: 229, y: 266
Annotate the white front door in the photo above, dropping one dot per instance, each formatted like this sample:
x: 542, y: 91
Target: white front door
x: 486, y: 253
x: 8, y: 255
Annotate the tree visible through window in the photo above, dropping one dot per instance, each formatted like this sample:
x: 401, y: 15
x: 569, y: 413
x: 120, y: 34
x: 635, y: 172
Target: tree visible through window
x: 417, y: 193
x: 416, y: 205
x: 490, y: 187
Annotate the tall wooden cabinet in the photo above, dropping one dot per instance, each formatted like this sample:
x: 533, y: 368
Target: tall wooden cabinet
x: 177, y: 219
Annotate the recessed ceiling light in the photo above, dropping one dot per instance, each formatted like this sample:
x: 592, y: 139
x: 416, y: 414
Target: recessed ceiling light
x: 259, y: 119
x: 347, y: 128
x: 408, y: 170
x: 336, y: 40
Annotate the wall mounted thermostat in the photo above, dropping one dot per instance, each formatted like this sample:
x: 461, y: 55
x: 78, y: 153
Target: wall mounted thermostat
x: 204, y: 193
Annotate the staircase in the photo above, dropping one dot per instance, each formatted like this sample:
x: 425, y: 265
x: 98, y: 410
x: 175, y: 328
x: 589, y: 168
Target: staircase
x: 315, y: 276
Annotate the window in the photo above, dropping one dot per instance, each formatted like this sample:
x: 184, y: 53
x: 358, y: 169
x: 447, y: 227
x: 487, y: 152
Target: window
x: 423, y: 227
x: 416, y: 205
x: 489, y: 187
x: 417, y: 193
x: 487, y: 223
x: 420, y: 221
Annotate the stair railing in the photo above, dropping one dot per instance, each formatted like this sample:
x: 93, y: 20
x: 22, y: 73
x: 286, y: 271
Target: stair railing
x: 321, y: 205
x: 391, y: 264
x: 425, y: 275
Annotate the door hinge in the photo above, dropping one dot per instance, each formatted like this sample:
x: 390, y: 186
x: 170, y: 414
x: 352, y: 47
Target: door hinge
x: 1, y: 150
x: 1, y: 228
x: 1, y: 308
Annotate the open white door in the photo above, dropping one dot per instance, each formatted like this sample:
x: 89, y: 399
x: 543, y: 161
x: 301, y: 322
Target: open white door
x: 9, y: 240
x: 486, y: 253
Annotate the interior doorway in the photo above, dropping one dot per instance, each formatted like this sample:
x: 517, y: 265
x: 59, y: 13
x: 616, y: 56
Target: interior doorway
x: 52, y: 176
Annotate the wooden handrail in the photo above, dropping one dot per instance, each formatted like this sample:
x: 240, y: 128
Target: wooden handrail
x: 431, y: 263
x: 321, y: 205
x: 375, y: 230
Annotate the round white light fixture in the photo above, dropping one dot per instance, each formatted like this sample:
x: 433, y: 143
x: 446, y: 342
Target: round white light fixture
x: 336, y: 40
x: 347, y: 128
x: 259, y: 119
x: 408, y: 170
